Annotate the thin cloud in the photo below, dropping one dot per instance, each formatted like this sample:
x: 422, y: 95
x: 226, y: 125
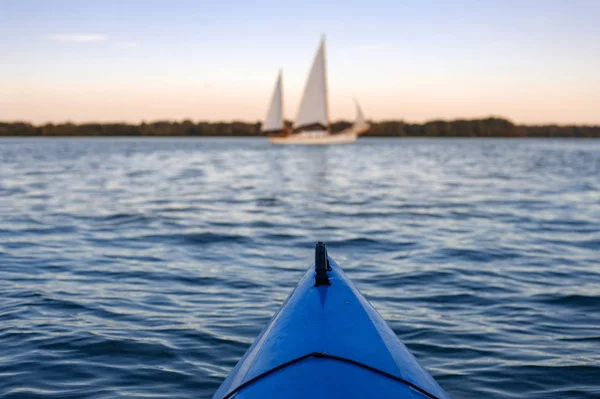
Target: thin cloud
x: 77, y: 37
x: 128, y: 44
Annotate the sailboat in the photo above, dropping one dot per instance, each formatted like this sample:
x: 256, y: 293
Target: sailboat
x: 312, y: 122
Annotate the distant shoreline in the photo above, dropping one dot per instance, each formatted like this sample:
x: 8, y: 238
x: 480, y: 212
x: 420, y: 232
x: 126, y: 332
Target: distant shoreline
x: 487, y: 127
x: 361, y: 137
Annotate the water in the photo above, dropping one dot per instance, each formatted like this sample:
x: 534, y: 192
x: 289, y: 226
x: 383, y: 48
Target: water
x: 144, y: 268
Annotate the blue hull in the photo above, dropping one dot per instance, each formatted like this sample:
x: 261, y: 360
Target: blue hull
x: 326, y: 341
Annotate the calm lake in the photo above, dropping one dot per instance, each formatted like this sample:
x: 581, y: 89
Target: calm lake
x: 144, y: 268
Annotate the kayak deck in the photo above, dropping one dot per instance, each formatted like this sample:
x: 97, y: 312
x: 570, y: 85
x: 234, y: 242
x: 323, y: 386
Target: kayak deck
x: 327, y: 341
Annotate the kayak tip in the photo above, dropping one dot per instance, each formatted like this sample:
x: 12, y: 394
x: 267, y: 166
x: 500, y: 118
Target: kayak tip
x: 321, y: 265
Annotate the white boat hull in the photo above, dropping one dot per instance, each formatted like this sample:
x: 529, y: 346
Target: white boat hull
x: 317, y: 138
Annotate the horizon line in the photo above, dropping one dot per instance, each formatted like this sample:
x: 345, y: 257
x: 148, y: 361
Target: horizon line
x: 339, y: 120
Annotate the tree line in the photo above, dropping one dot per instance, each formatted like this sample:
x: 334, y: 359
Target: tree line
x: 487, y: 127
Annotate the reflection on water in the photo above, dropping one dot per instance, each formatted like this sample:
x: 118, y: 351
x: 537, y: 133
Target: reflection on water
x: 305, y: 166
x: 145, y: 267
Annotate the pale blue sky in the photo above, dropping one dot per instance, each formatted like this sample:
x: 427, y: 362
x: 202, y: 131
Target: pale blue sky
x: 132, y: 60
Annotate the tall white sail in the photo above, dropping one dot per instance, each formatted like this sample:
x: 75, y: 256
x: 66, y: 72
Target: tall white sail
x: 274, y: 119
x: 360, y: 117
x: 314, y: 106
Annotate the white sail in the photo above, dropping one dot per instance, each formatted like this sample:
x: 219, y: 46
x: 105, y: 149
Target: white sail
x: 313, y: 106
x: 360, y: 117
x: 274, y: 119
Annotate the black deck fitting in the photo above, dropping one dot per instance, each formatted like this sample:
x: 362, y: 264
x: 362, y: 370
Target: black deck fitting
x: 321, y: 265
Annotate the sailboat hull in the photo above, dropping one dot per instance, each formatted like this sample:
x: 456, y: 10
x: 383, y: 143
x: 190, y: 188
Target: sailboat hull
x: 316, y: 138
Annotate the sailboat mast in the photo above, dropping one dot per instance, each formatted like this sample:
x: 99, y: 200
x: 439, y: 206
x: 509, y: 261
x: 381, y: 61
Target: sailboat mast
x: 274, y: 119
x: 314, y: 107
x: 328, y: 127
x: 281, y: 99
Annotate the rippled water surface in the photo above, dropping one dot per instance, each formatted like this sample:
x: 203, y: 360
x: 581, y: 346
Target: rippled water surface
x: 144, y: 268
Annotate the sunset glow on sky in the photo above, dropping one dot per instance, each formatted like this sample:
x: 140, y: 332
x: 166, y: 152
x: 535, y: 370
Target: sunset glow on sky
x: 529, y: 61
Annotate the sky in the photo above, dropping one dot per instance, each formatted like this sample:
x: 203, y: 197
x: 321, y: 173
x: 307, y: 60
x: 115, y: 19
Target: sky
x: 531, y: 61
